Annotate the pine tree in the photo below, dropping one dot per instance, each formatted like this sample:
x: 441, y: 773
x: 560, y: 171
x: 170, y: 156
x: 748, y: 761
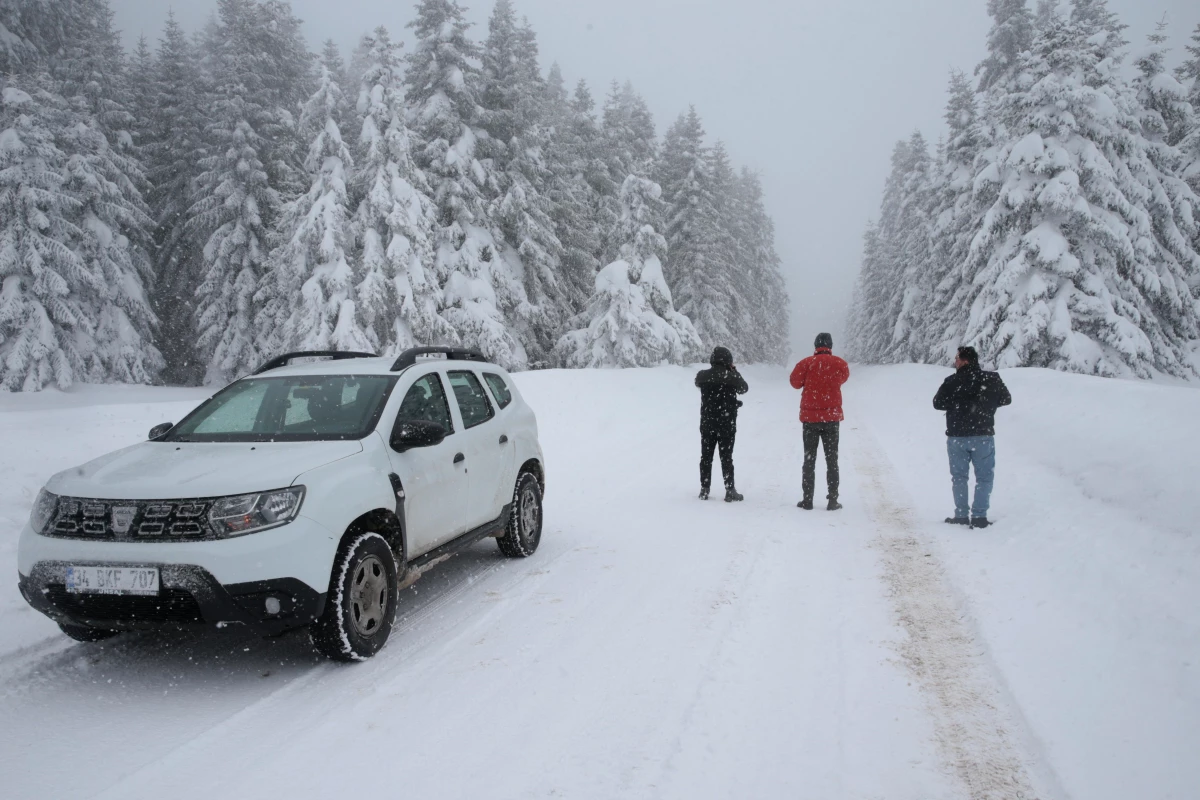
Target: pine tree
x: 1189, y: 145
x: 1166, y: 111
x: 514, y: 108
x: 627, y: 147
x: 237, y: 201
x: 955, y: 217
x: 399, y: 283
x: 1084, y: 257
x: 172, y: 144
x: 700, y: 285
x: 1011, y: 35
x: 310, y: 304
x: 570, y: 161
x: 44, y: 323
x: 630, y: 320
x: 768, y: 336
x: 484, y: 298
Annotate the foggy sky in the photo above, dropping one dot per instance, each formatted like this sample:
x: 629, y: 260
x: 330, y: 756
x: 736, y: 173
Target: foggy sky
x: 811, y: 94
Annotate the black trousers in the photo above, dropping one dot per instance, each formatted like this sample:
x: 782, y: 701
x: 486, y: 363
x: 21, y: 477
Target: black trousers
x: 711, y: 440
x: 827, y: 434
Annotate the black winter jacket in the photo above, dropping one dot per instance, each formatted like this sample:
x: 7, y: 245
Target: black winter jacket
x: 719, y: 388
x: 970, y: 398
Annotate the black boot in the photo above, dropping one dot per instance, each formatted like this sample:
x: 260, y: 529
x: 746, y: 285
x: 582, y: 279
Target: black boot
x: 731, y: 495
x: 979, y: 522
x: 834, y: 505
x: 958, y: 521
x: 806, y: 504
x: 703, y: 492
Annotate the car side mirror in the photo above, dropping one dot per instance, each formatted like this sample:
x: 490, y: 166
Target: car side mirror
x: 411, y: 433
x: 161, y: 430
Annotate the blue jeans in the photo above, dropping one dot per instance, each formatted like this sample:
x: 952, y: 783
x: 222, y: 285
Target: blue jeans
x: 965, y: 451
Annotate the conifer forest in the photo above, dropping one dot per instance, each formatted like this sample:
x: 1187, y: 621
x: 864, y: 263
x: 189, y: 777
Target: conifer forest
x: 179, y: 213
x: 1057, y: 222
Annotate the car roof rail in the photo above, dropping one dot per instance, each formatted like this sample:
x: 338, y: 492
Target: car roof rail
x: 332, y: 355
x: 412, y: 354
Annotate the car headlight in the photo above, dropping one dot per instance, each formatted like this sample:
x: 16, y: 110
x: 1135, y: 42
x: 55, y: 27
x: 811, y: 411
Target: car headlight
x: 42, y: 513
x: 249, y: 513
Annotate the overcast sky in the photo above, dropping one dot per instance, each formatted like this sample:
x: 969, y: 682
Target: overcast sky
x: 810, y: 93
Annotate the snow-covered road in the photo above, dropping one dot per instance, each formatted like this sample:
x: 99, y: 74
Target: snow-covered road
x: 658, y: 646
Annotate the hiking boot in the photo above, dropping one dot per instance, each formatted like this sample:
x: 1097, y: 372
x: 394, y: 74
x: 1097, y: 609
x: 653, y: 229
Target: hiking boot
x: 958, y: 521
x: 979, y: 522
x: 703, y: 492
x: 732, y: 496
x: 834, y: 505
x: 806, y: 504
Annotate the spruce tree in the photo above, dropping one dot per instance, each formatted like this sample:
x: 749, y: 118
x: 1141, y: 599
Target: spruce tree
x: 768, y: 335
x: 694, y: 272
x: 172, y: 145
x: 630, y: 320
x: 310, y: 301
x: 484, y: 298
x: 1011, y: 34
x: 399, y: 285
x: 514, y: 108
x: 1084, y: 257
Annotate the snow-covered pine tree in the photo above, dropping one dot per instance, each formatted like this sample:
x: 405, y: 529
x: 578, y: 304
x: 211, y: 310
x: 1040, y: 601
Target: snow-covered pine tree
x: 694, y: 272
x: 630, y: 320
x: 105, y: 175
x: 1189, y: 75
x: 172, y: 144
x: 399, y: 285
x: 768, y: 336
x: 570, y: 162
x: 1085, y: 255
x: 895, y: 279
x: 514, y: 109
x: 1167, y: 113
x: 627, y: 147
x: 484, y: 297
x: 955, y: 217
x: 311, y: 302
x: 723, y: 251
x: 45, y: 324
x: 238, y: 191
x: 1011, y: 34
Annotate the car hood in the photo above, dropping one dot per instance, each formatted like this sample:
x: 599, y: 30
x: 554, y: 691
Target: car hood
x: 171, y: 470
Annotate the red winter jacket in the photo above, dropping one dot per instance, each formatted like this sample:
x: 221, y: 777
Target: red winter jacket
x: 821, y: 377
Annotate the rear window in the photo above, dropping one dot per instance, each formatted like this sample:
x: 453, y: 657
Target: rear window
x: 499, y: 388
x: 289, y: 409
x: 473, y: 403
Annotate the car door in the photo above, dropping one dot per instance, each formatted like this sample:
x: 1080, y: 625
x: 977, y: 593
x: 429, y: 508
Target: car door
x: 507, y: 476
x: 484, y: 449
x: 436, y: 484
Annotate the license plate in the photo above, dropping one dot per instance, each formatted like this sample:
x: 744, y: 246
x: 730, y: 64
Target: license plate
x: 112, y: 580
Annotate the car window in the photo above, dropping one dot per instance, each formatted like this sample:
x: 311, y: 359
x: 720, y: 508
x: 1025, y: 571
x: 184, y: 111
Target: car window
x: 472, y: 402
x: 294, y: 408
x: 426, y: 400
x: 499, y: 389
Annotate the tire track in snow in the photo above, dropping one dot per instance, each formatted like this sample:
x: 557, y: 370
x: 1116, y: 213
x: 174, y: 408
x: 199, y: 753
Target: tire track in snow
x: 971, y: 724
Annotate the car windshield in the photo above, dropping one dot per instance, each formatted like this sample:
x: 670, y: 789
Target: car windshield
x: 289, y: 409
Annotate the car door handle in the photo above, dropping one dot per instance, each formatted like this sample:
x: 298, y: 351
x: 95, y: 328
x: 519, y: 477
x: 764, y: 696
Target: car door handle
x: 459, y: 458
x: 503, y: 438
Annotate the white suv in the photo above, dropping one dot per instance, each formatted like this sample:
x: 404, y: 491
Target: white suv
x: 304, y: 494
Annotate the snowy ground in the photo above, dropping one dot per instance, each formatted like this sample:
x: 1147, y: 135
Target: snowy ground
x: 657, y: 646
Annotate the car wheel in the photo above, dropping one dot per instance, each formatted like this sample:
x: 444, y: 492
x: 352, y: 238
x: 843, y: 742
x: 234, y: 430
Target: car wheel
x: 85, y: 633
x: 524, y: 530
x: 361, y: 604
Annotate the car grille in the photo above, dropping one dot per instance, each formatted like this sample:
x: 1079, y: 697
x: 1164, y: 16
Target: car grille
x: 131, y: 520
x: 171, y: 605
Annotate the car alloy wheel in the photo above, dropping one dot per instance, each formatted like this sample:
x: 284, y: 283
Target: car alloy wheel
x: 368, y: 596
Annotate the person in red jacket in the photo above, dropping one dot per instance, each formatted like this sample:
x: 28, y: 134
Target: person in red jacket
x: 821, y: 376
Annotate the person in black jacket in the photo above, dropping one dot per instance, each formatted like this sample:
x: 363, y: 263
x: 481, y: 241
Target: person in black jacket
x: 719, y: 387
x: 970, y: 398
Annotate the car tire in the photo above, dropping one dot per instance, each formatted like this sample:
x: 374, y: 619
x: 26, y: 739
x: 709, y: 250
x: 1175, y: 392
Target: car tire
x: 86, y: 633
x: 361, y: 604
x: 524, y: 530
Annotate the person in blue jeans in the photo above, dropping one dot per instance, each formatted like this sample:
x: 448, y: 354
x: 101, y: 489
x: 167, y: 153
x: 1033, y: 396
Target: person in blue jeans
x: 970, y: 398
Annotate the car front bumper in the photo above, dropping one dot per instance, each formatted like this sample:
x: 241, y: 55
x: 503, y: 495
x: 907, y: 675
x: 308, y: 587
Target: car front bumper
x: 225, y: 582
